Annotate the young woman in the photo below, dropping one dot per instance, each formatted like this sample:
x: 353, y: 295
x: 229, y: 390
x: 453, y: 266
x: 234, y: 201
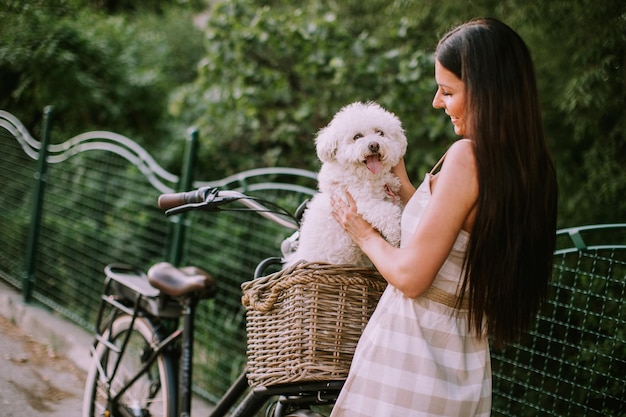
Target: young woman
x: 477, y: 240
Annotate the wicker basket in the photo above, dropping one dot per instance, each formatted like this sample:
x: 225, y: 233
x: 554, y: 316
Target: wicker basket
x: 304, y: 322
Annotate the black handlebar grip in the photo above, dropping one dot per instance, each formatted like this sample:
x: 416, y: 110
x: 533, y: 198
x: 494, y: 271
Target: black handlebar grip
x: 171, y: 200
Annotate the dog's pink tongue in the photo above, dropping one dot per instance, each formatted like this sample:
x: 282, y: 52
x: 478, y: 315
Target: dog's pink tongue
x: 373, y: 164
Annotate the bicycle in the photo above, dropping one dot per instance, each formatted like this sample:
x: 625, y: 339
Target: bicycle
x: 141, y: 367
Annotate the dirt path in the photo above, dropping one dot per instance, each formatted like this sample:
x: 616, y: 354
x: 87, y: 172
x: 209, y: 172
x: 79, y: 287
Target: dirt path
x: 35, y: 380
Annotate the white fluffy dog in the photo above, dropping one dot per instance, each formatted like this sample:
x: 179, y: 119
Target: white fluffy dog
x: 358, y: 148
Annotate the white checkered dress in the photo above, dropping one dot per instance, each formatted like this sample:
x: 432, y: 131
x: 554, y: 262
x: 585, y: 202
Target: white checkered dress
x: 415, y: 358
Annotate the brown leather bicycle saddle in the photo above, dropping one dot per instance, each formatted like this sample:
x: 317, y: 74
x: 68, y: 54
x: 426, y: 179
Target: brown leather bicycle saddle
x: 178, y: 282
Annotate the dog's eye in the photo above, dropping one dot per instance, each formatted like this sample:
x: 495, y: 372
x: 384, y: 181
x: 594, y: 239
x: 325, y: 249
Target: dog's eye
x: 357, y: 136
x: 380, y: 132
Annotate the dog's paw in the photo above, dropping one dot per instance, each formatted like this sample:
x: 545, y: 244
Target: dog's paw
x: 290, y: 245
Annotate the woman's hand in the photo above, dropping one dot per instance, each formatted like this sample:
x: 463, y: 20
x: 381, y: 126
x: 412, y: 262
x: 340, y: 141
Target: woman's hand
x: 344, y: 210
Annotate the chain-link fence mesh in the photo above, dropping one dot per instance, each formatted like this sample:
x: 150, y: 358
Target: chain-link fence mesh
x: 99, y: 207
x: 16, y: 177
x: 573, y: 361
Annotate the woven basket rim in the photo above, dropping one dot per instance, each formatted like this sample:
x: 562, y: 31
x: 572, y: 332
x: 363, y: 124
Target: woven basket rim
x: 270, y: 286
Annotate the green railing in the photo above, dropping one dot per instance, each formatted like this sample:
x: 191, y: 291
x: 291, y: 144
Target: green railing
x: 94, y: 203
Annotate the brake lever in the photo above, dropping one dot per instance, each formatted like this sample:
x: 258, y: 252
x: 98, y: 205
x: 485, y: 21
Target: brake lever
x: 185, y: 208
x: 211, y: 194
x: 212, y: 203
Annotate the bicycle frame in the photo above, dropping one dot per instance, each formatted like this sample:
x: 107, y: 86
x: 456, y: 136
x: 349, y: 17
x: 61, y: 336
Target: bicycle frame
x: 128, y: 292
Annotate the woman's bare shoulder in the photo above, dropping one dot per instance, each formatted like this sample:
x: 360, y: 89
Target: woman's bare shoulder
x: 459, y: 181
x: 460, y: 158
x: 459, y: 161
x: 464, y: 147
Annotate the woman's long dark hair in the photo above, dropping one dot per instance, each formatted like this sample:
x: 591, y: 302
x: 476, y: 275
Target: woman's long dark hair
x: 509, y: 258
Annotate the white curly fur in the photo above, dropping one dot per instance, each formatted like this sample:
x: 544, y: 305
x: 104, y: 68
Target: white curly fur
x: 358, y: 133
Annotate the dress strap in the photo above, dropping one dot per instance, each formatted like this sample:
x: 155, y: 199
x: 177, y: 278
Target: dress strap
x: 438, y: 164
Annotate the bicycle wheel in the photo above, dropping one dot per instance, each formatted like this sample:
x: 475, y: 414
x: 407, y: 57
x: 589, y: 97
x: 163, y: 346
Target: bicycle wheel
x: 153, y: 394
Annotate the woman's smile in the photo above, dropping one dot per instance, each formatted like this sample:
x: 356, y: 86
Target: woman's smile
x: 450, y: 96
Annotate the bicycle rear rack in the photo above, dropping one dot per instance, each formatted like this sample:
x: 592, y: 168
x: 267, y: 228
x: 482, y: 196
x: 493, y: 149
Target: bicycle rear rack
x: 127, y: 291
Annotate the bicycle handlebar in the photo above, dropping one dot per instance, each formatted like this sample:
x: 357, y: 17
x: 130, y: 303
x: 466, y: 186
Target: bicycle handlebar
x: 172, y: 200
x: 209, y: 199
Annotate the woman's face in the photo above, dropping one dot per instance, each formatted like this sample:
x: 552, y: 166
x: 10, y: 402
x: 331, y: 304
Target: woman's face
x: 450, y: 96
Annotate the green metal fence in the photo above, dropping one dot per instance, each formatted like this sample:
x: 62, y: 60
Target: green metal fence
x: 573, y: 362
x: 98, y: 205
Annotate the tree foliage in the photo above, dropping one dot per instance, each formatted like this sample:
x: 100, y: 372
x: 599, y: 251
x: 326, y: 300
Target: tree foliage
x: 295, y: 67
x: 274, y: 73
x: 98, y: 70
x: 263, y: 76
x: 581, y: 50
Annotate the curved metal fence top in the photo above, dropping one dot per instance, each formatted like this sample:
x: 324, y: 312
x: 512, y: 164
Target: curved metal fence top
x: 89, y: 141
x: 592, y: 237
x: 245, y: 181
x: 120, y: 145
x: 12, y: 124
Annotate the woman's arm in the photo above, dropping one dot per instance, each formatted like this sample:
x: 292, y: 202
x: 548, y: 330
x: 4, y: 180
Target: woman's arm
x: 412, y: 268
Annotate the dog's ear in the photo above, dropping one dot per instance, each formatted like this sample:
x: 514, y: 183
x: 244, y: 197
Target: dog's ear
x: 326, y: 144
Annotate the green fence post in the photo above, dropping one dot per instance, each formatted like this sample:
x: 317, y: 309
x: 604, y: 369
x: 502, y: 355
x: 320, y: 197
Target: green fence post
x: 185, y: 184
x: 37, y: 207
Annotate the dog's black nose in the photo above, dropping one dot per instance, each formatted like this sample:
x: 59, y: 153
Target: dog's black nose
x: 374, y: 147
